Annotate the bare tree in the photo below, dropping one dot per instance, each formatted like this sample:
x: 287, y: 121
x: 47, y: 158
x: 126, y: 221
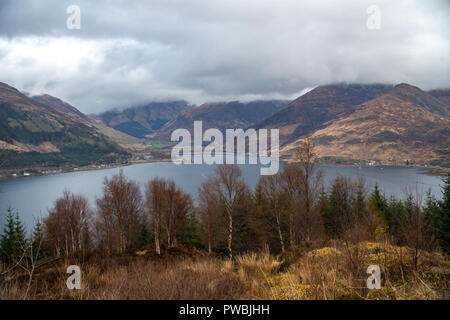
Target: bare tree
x: 177, y: 207
x: 310, y: 184
x: 209, y: 208
x: 119, y: 210
x: 168, y: 206
x: 274, y: 192
x: 67, y: 225
x: 290, y: 182
x: 154, y: 202
x: 230, y: 188
x: 415, y: 229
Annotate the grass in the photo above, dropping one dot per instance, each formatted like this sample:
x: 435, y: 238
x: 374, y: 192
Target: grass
x: 160, y: 144
x: 334, y: 272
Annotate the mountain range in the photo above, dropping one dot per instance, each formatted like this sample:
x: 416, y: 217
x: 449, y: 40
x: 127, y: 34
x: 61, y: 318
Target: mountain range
x: 143, y: 121
x: 222, y: 115
x: 372, y: 122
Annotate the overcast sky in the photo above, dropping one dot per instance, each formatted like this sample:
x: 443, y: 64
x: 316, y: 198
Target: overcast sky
x: 131, y: 52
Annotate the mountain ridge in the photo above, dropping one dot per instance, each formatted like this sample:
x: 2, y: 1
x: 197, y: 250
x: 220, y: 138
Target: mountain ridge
x: 143, y: 121
x: 312, y: 110
x: 404, y: 124
x: 222, y: 115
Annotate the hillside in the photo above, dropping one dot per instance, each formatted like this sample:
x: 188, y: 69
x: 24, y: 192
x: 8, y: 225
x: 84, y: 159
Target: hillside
x: 124, y: 140
x: 404, y: 124
x: 32, y: 132
x: 312, y: 110
x: 443, y: 95
x: 222, y: 115
x: 62, y: 107
x: 144, y: 120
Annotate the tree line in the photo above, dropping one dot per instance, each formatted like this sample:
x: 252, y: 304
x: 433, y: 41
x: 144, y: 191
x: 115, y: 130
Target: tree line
x: 292, y: 208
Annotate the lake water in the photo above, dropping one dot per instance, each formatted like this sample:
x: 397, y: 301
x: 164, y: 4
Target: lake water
x: 33, y: 196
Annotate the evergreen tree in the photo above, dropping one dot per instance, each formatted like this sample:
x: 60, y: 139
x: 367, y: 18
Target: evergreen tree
x: 13, y: 240
x: 21, y: 237
x: 441, y: 217
x: 191, y: 237
x: 145, y: 237
x: 379, y: 204
x: 36, y: 241
x: 7, y: 238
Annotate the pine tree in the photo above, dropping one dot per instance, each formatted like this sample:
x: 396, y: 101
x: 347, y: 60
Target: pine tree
x: 191, y: 237
x: 144, y: 238
x: 379, y: 204
x: 13, y: 240
x: 442, y: 218
x: 21, y: 237
x: 7, y: 238
x: 36, y: 241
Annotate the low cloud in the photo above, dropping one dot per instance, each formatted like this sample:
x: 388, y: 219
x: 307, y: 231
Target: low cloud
x: 132, y: 52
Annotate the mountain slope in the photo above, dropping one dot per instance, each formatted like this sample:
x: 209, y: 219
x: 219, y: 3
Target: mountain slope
x: 404, y: 124
x: 443, y: 95
x: 142, y: 121
x: 62, y: 107
x: 312, y: 110
x: 222, y: 115
x: 35, y: 133
x: 68, y: 110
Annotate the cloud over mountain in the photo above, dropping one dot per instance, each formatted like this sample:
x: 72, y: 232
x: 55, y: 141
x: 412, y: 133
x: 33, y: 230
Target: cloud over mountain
x: 132, y: 52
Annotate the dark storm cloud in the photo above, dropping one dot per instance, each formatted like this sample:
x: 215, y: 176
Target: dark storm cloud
x: 129, y: 52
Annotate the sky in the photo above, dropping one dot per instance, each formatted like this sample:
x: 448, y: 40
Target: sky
x: 129, y: 52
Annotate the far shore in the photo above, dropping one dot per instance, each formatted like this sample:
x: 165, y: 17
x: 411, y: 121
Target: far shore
x: 6, y: 174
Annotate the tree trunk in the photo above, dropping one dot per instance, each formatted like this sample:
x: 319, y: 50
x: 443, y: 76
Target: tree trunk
x: 291, y: 228
x: 280, y: 235
x: 157, y: 247
x: 209, y: 237
x: 230, y: 233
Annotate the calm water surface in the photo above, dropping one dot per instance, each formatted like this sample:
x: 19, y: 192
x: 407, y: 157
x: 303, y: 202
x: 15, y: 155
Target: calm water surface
x: 33, y: 196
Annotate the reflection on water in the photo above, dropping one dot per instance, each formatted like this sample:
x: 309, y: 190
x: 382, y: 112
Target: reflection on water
x: 32, y: 196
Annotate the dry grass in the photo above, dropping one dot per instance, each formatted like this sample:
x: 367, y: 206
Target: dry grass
x: 327, y: 273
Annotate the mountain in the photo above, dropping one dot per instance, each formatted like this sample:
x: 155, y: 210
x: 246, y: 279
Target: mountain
x: 33, y: 132
x: 312, y: 110
x: 404, y: 124
x: 443, y: 95
x: 222, y: 115
x: 144, y: 120
x: 63, y: 107
x: 124, y: 140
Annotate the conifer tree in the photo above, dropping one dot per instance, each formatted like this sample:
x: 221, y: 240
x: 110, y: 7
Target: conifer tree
x: 442, y: 218
x: 7, y: 238
x: 13, y: 240
x: 36, y: 241
x: 145, y: 237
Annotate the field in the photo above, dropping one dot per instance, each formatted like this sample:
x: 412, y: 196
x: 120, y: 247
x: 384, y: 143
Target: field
x: 337, y: 271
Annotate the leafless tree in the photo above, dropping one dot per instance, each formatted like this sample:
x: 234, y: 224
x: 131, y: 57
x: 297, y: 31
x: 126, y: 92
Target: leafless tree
x: 291, y: 184
x: 168, y: 206
x: 309, y: 222
x: 415, y: 229
x: 119, y: 210
x: 154, y: 202
x: 209, y: 209
x: 229, y: 187
x: 178, y: 205
x: 67, y: 225
x: 271, y: 187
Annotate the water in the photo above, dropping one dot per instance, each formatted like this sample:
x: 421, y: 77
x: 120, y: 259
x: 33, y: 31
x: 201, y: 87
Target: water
x: 33, y: 196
